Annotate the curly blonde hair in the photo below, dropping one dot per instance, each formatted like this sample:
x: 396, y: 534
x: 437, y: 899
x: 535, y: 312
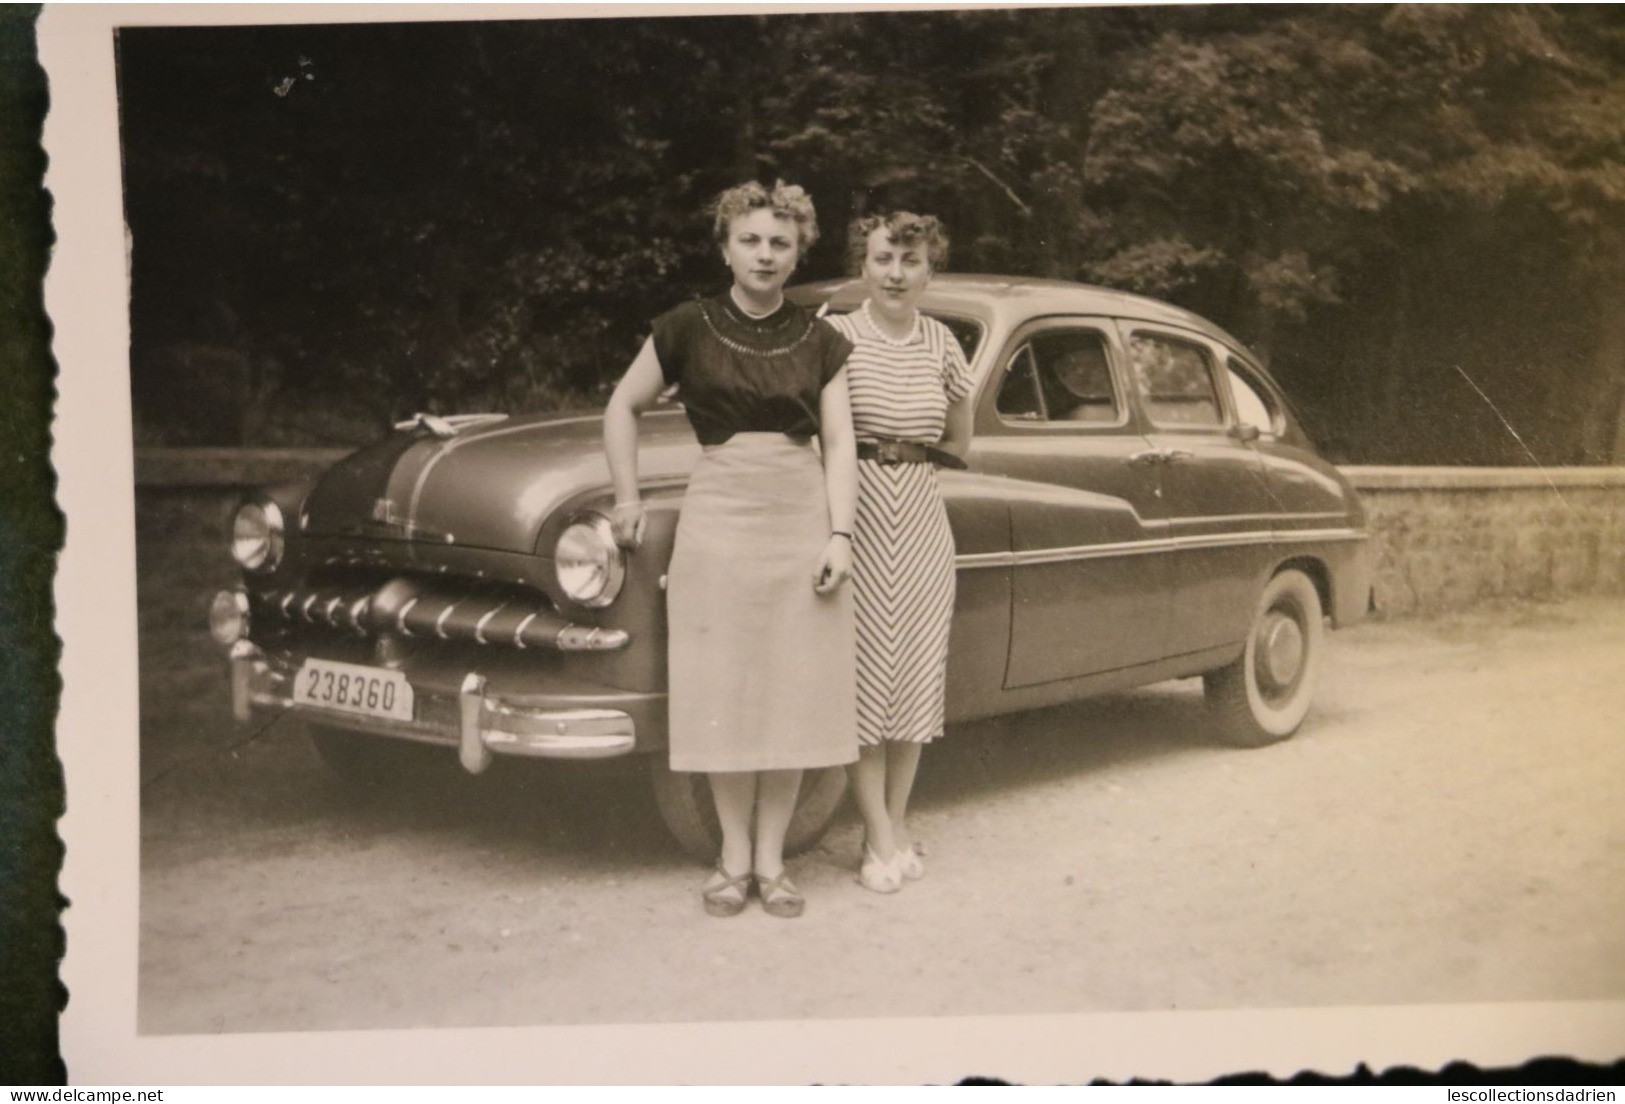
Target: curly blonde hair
x: 903, y: 228
x: 785, y: 200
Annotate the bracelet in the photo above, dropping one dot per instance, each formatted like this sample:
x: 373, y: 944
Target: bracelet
x: 841, y: 533
x: 629, y: 502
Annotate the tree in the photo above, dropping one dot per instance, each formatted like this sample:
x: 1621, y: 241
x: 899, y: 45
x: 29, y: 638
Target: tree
x: 1370, y: 164
x: 1413, y: 212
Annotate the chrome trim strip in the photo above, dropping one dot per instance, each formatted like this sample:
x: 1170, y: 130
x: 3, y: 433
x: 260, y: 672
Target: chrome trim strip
x: 1264, y: 518
x: 1220, y: 540
x: 1299, y: 536
x: 519, y: 633
x: 440, y: 622
x: 400, y: 618
x: 590, y: 638
x: 589, y: 745
x: 358, y: 610
x: 971, y: 561
x: 556, y: 716
x: 1061, y: 555
x: 479, y: 626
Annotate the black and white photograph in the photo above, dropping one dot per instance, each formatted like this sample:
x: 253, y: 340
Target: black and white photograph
x: 777, y: 545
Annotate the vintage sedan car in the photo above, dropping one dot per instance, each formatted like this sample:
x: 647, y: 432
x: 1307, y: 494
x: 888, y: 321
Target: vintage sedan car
x: 1140, y: 505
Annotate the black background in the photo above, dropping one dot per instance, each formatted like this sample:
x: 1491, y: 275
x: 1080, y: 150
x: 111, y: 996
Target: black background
x: 31, y: 788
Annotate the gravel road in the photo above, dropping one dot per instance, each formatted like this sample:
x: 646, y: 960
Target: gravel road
x: 1449, y: 826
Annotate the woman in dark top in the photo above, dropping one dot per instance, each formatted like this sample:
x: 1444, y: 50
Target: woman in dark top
x: 761, y: 639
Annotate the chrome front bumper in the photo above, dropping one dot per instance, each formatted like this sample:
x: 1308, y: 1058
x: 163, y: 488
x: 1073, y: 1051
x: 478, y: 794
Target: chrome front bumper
x: 477, y: 723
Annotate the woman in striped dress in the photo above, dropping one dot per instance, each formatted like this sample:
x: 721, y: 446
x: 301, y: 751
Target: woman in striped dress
x: 911, y: 406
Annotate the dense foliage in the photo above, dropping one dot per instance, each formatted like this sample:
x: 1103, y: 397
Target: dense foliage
x: 1415, y: 213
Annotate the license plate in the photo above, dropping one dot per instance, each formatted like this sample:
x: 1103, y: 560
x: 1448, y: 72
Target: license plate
x: 370, y: 691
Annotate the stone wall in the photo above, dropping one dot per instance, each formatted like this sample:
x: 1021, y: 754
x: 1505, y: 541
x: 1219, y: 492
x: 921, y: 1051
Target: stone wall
x: 1445, y: 538
x: 1450, y: 538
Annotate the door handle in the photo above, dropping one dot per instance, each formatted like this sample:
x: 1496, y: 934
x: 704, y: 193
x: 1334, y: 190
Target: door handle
x: 1174, y: 456
x: 1149, y: 456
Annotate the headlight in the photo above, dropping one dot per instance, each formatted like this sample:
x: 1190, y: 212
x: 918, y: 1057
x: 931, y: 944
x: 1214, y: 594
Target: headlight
x: 256, y: 535
x: 228, y: 617
x: 590, y: 566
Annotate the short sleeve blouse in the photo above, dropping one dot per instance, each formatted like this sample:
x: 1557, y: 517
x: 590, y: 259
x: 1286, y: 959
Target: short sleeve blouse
x: 902, y: 389
x: 738, y: 374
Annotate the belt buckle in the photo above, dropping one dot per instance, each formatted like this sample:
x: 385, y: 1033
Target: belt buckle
x: 891, y: 452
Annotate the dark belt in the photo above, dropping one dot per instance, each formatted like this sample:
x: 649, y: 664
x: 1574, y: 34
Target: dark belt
x: 887, y: 451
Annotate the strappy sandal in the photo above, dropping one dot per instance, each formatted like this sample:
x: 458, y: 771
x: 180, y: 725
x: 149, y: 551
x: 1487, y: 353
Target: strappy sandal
x: 910, y: 862
x: 726, y: 898
x: 878, y: 876
x: 779, y: 896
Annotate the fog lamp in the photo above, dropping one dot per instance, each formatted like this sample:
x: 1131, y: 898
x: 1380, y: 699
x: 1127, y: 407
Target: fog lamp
x: 228, y: 617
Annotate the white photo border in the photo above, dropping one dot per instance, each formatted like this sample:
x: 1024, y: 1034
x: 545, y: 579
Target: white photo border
x: 86, y: 296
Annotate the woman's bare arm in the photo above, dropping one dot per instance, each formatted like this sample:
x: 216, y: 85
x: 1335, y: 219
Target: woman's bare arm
x: 638, y: 390
x: 840, y: 449
x: 957, y: 429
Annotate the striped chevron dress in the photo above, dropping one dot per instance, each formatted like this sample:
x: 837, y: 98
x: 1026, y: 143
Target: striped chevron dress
x: 902, y: 549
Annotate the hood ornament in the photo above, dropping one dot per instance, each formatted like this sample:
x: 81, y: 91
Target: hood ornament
x: 445, y: 426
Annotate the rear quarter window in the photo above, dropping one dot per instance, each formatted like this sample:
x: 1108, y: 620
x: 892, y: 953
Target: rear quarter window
x: 1253, y: 402
x: 1175, y: 379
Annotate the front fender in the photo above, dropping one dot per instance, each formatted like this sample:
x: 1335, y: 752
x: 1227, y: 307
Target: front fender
x: 640, y: 608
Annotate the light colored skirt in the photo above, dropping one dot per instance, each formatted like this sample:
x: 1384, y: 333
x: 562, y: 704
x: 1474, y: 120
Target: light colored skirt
x: 761, y: 668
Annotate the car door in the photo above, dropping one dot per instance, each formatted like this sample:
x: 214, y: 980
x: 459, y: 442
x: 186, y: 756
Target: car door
x: 1217, y: 503
x: 1308, y: 495
x: 1089, y: 593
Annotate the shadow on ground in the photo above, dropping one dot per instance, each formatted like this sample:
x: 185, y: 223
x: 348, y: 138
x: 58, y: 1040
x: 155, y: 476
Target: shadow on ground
x: 270, y: 779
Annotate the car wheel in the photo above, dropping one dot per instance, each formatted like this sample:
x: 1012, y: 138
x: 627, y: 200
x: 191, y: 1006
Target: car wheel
x: 690, y: 815
x: 362, y: 761
x: 1263, y: 696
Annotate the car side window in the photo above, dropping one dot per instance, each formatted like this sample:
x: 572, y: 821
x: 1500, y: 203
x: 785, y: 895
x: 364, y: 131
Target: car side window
x: 966, y: 331
x: 1175, y: 380
x: 1061, y: 376
x: 1253, y: 404
x: 1019, y: 396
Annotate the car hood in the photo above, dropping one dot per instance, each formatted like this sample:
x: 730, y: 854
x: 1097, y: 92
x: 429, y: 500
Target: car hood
x: 490, y: 487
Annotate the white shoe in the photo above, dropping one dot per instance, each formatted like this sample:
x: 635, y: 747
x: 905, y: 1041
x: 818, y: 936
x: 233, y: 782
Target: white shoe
x: 910, y: 863
x: 878, y: 876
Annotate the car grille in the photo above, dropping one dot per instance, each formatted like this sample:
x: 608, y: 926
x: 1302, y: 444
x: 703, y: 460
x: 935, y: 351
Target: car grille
x: 409, y: 608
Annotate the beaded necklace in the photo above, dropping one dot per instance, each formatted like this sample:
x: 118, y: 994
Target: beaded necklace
x: 911, y: 338
x: 748, y: 350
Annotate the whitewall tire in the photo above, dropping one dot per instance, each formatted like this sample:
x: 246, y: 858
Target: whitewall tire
x: 1264, y: 695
